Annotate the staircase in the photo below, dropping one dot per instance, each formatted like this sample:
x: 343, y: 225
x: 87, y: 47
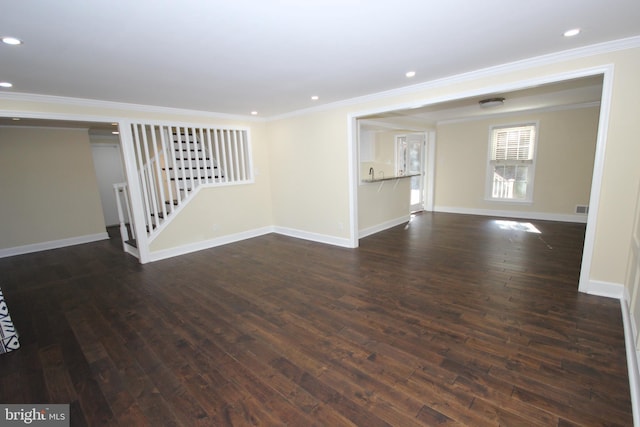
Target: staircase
x: 189, y: 165
x: 173, y: 162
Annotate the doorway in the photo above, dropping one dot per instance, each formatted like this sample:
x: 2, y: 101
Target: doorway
x: 541, y: 89
x: 410, y: 160
x: 107, y: 161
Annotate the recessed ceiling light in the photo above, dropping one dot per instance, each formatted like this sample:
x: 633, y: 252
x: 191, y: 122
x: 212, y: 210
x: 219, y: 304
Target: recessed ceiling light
x: 254, y: 113
x: 6, y: 84
x: 572, y: 32
x: 315, y: 97
x: 115, y: 132
x: 11, y: 40
x: 410, y: 74
x: 15, y: 119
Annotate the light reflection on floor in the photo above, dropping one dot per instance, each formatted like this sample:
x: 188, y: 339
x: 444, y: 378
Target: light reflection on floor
x: 518, y: 226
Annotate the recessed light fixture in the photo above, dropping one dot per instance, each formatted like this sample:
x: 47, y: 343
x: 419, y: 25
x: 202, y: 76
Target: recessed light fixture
x: 410, y: 74
x: 254, y: 113
x: 6, y: 84
x: 315, y: 97
x: 571, y: 33
x: 491, y: 102
x: 11, y: 40
x: 15, y: 119
x: 115, y: 132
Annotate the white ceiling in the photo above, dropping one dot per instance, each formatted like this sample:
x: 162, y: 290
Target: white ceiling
x: 271, y: 56
x: 567, y: 94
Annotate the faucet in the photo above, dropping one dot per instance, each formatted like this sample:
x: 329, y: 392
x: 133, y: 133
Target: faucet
x: 372, y: 174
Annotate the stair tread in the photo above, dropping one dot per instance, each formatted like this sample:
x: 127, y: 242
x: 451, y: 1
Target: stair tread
x: 160, y: 214
x: 170, y: 168
x: 180, y: 178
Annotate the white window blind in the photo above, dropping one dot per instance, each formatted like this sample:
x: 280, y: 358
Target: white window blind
x: 510, y: 169
x: 513, y: 143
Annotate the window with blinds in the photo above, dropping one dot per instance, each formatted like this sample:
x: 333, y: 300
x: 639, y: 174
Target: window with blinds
x: 511, y: 163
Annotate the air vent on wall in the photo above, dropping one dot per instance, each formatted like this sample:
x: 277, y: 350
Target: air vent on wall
x: 581, y: 209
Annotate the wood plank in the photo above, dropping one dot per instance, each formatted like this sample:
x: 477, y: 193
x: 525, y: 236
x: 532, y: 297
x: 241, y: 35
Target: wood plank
x: 451, y: 321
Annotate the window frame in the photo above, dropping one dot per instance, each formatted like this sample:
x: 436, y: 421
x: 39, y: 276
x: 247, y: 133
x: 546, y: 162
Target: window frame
x: 531, y: 171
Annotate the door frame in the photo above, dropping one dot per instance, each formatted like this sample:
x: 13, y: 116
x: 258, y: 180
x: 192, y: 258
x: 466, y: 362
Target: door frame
x: 585, y: 283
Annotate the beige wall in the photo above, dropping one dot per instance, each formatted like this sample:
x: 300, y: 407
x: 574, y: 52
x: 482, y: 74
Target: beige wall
x: 308, y: 153
x: 563, y: 170
x: 49, y: 189
x: 383, y: 202
x: 222, y: 211
x: 308, y: 148
x: 309, y: 173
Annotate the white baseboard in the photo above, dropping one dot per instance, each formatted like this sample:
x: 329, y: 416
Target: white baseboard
x: 53, y: 244
x: 543, y: 216
x: 385, y: 225
x: 314, y: 237
x: 604, y: 289
x: 232, y: 238
x: 632, y: 360
x: 207, y: 244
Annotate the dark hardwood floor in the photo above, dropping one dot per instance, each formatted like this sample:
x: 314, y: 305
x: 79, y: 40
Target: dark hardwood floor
x: 452, y: 320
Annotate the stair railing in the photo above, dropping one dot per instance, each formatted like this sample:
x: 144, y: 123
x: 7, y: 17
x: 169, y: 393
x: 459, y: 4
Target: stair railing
x: 125, y: 218
x: 174, y: 161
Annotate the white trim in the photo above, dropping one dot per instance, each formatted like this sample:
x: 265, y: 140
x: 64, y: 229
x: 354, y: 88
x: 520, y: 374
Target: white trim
x: 493, y: 116
x: 597, y: 174
x: 531, y: 173
x: 542, y: 216
x: 607, y: 70
x: 65, y: 128
x: 249, y: 234
x: 111, y: 105
x: 633, y: 368
x: 384, y: 226
x: 207, y: 244
x: 353, y: 173
x: 604, y: 289
x: 565, y: 55
x: 53, y: 244
x: 430, y: 173
x: 314, y: 237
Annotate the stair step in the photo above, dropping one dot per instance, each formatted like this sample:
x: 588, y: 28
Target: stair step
x: 160, y: 214
x: 170, y: 168
x: 188, y: 178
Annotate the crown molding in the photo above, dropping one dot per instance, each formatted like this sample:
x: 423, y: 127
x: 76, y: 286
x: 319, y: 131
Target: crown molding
x: 551, y: 109
x: 596, y: 49
x: 565, y: 55
x: 94, y: 103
